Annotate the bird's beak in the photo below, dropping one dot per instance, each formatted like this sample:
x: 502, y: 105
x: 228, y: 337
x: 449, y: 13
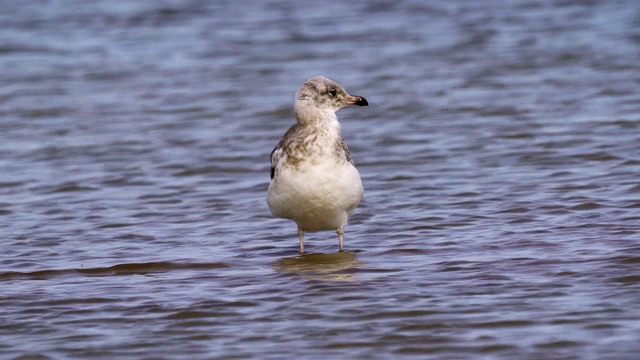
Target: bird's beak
x: 356, y: 100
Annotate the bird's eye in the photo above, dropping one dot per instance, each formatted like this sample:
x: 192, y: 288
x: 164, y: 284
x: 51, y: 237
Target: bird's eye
x: 332, y: 92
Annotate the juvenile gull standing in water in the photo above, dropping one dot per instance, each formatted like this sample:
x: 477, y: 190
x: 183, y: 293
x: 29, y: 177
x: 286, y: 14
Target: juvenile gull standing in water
x: 314, y: 181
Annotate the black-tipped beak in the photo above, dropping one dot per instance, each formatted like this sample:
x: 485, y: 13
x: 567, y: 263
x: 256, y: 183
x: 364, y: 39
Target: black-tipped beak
x: 357, y: 100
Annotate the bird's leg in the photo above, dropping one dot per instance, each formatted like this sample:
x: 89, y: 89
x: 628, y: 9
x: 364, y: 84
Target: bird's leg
x: 341, y: 238
x: 301, y: 236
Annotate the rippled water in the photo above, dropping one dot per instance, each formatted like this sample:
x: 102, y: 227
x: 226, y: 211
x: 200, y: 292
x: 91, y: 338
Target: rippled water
x: 500, y: 156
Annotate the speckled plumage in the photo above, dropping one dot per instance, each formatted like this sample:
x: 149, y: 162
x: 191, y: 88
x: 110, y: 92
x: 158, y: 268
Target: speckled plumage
x: 314, y: 181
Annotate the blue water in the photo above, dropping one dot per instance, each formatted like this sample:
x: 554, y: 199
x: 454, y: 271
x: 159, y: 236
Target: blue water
x: 499, y: 155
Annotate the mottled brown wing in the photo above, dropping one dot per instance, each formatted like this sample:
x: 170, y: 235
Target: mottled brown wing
x: 277, y: 151
x: 347, y: 153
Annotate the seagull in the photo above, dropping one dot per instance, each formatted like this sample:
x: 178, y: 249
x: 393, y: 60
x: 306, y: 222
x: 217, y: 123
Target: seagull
x: 314, y: 181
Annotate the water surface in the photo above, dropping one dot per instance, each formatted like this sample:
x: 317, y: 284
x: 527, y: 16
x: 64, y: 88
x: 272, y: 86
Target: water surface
x: 500, y: 157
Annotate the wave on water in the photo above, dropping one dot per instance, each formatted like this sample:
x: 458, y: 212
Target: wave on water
x: 115, y: 270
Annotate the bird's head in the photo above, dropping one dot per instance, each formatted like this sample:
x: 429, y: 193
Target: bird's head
x: 324, y: 95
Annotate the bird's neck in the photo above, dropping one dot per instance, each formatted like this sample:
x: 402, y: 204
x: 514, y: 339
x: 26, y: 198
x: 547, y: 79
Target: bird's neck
x: 321, y: 129
x: 313, y: 116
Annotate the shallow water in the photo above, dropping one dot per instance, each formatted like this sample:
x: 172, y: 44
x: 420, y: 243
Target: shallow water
x: 500, y: 156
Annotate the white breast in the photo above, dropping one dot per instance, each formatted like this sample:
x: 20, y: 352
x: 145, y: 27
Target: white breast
x: 319, y: 193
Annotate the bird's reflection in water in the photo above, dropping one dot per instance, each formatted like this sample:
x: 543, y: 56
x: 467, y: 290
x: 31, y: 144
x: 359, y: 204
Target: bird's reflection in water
x: 333, y: 267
